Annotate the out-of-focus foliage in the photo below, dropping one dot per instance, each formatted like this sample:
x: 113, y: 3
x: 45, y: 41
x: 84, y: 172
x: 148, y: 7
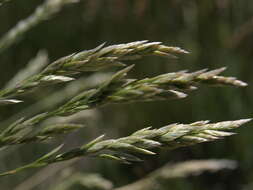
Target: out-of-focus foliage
x: 218, y: 33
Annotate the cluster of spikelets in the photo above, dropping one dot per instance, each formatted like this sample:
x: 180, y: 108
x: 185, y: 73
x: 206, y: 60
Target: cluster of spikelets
x: 127, y: 149
x: 117, y: 89
x: 91, y: 60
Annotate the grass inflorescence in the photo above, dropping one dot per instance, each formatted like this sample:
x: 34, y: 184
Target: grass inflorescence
x: 117, y: 88
x: 142, y: 142
x: 64, y: 69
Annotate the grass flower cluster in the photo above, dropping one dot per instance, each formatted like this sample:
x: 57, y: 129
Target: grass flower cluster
x: 78, y: 85
x: 143, y: 141
x: 116, y: 89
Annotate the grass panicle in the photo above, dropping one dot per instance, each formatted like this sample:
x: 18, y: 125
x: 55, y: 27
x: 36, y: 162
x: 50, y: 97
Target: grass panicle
x: 24, y: 134
x: 118, y: 89
x: 142, y: 142
x: 85, y: 88
x: 90, y: 60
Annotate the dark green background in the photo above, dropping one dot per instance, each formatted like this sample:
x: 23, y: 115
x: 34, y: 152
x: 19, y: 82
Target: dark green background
x: 218, y: 33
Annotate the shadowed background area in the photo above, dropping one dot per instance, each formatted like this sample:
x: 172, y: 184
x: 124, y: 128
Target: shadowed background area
x: 217, y: 33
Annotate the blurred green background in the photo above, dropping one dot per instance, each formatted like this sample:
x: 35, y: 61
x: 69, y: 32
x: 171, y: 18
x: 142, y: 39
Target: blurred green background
x: 218, y: 33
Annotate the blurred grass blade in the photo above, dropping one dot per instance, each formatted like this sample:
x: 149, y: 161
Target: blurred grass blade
x: 43, y: 12
x: 170, y: 172
x: 33, y: 67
